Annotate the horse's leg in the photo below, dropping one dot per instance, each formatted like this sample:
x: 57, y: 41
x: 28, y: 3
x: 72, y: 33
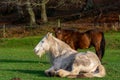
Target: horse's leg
x: 98, y: 52
x: 99, y: 44
x: 50, y: 71
x: 75, y: 72
x: 100, y: 73
x: 64, y: 73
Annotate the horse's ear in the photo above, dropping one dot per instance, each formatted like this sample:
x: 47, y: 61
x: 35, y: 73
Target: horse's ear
x: 49, y: 34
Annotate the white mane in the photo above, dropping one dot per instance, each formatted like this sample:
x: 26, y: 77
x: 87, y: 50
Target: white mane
x: 58, y: 48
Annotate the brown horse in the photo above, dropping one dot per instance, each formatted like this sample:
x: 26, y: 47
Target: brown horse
x: 83, y: 40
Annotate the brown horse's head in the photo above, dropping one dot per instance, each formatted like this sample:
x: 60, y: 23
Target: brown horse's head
x: 58, y: 32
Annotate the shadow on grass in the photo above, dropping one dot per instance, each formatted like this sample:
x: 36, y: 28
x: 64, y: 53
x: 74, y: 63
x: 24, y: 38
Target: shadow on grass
x: 21, y: 61
x: 33, y: 72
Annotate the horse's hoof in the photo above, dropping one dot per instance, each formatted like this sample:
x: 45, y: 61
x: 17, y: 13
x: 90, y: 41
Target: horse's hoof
x: 50, y: 74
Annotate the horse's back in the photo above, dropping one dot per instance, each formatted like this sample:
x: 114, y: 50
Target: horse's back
x: 95, y: 34
x: 91, y: 55
x: 88, y: 57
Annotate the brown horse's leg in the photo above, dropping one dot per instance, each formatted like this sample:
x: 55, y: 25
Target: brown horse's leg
x: 98, y: 52
x: 99, y: 44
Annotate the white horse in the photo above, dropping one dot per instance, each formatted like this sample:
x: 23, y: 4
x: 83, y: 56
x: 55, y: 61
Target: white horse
x: 67, y: 62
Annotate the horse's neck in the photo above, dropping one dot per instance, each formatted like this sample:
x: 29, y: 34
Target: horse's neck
x: 51, y: 57
x: 68, y: 54
x: 59, y: 48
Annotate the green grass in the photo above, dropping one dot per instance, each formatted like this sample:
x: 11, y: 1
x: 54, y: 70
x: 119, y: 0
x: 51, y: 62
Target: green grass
x: 17, y: 59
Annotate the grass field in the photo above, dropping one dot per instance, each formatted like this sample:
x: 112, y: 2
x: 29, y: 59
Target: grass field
x: 17, y: 59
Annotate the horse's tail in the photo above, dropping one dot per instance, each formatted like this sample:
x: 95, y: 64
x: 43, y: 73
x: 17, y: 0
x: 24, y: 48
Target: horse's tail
x: 102, y: 45
x: 99, y: 73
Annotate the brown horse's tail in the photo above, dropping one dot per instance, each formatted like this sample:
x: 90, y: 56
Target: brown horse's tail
x: 102, y: 45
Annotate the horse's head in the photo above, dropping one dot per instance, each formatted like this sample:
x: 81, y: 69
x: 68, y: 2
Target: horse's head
x: 43, y: 45
x: 58, y: 33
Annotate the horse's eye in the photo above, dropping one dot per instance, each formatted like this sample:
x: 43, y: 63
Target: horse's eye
x: 42, y: 41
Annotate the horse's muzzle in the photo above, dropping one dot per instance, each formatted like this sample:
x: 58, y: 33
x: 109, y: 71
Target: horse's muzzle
x: 36, y: 51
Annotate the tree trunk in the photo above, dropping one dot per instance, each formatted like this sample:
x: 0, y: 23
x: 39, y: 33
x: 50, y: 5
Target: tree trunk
x: 19, y: 9
x: 43, y: 12
x: 31, y: 13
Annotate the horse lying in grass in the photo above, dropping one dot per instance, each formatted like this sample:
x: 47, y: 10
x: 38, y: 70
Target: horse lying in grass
x: 78, y: 40
x: 67, y: 62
